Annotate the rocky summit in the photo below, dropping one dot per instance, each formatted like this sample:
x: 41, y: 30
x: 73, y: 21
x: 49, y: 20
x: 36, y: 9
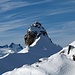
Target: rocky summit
x: 34, y: 31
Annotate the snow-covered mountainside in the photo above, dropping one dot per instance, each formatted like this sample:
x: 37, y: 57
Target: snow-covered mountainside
x: 12, y: 48
x: 38, y: 45
x: 61, y: 63
x: 38, y: 41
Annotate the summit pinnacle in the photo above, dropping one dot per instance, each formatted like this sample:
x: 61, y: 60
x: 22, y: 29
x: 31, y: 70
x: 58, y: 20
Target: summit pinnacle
x: 34, y: 31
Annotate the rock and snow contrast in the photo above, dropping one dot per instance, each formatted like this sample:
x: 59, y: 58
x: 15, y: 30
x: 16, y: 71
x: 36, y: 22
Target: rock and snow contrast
x: 40, y: 56
x: 38, y: 41
x: 61, y: 63
x: 38, y: 45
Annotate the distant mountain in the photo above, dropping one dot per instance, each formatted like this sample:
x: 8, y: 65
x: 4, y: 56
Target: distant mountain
x: 38, y: 45
x: 15, y: 47
x: 61, y: 63
x: 12, y: 48
x: 5, y: 46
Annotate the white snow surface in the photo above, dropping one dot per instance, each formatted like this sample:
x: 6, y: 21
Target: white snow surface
x: 4, y: 52
x: 60, y: 63
x: 38, y: 29
x: 42, y: 46
x: 34, y: 43
x: 25, y: 50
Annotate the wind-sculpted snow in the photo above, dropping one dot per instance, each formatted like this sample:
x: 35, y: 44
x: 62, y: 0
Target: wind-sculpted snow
x: 57, y: 64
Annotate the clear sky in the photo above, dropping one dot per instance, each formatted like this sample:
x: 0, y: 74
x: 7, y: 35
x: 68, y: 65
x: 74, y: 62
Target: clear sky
x: 57, y: 16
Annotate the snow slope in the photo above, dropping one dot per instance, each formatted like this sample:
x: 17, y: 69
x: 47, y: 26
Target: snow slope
x: 29, y: 56
x: 42, y: 44
x: 60, y: 63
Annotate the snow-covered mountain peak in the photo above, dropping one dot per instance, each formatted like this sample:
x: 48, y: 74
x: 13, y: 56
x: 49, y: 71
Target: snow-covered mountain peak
x: 37, y: 27
x: 35, y: 31
x: 38, y: 41
x: 38, y: 45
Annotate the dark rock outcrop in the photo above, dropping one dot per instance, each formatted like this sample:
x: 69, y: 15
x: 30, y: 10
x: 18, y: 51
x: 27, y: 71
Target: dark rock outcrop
x: 30, y: 37
x: 69, y: 48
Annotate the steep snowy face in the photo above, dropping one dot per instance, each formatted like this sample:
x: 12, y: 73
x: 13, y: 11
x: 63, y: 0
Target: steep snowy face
x: 34, y: 32
x: 38, y: 41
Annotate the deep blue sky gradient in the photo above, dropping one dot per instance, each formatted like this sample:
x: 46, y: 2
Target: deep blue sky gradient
x: 57, y: 16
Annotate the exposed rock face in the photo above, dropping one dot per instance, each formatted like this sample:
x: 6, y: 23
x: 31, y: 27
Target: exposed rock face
x: 34, y: 32
x: 30, y: 37
x: 69, y: 48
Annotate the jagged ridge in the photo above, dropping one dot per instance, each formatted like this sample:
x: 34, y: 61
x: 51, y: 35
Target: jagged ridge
x: 8, y: 49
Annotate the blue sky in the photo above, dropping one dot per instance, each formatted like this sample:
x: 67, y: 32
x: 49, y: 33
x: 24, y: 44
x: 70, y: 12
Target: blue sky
x: 57, y: 16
